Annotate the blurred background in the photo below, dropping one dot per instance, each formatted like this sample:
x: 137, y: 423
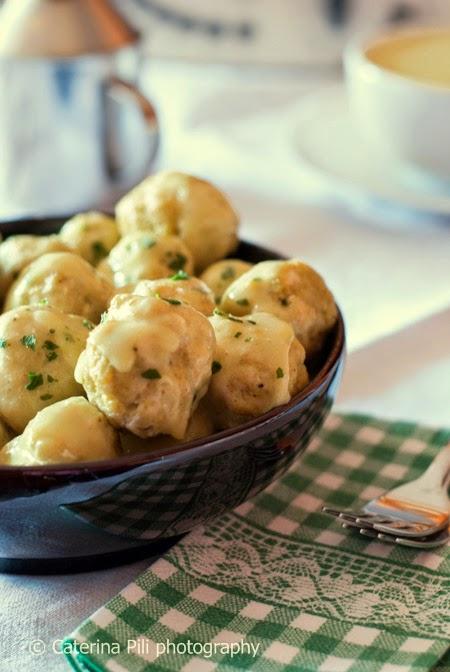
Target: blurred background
x: 211, y: 71
x: 95, y: 95
x: 282, y: 32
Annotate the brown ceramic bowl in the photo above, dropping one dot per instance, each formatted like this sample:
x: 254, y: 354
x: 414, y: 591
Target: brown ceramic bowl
x: 66, y: 518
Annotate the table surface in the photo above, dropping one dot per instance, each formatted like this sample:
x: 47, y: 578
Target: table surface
x: 234, y: 125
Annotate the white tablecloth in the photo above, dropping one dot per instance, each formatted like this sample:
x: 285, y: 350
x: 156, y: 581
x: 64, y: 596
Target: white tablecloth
x: 234, y: 125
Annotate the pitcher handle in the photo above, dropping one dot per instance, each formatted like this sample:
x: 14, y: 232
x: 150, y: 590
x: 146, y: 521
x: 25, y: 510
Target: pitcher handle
x: 127, y: 162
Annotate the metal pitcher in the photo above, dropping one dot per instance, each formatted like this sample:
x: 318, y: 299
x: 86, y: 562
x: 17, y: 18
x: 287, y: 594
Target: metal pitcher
x: 75, y: 131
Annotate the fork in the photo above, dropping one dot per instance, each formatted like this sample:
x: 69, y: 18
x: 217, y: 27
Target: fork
x: 415, y: 509
x: 430, y: 541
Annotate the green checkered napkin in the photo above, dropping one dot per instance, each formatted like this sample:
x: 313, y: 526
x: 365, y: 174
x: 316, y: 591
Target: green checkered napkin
x: 281, y: 576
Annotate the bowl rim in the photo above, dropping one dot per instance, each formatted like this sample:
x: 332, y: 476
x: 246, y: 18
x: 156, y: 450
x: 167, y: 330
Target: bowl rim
x: 195, y: 449
x: 355, y: 56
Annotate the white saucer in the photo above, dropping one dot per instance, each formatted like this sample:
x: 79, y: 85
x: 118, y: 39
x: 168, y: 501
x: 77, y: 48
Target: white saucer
x: 327, y: 144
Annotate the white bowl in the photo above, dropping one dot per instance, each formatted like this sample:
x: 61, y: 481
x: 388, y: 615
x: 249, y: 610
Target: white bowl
x: 408, y: 119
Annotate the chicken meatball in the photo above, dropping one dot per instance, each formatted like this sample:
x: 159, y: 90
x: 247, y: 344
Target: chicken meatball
x: 19, y: 251
x: 69, y: 431
x: 64, y: 281
x: 291, y: 290
x: 179, y: 204
x: 148, y: 364
x: 92, y: 235
x: 201, y: 423
x: 105, y: 270
x: 258, y: 365
x: 139, y: 256
x: 39, y: 348
x: 200, y: 426
x: 6, y: 434
x: 220, y: 275
x: 180, y: 287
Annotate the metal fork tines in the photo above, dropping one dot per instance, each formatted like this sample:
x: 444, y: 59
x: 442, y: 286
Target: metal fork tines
x: 410, y: 512
x: 414, y: 524
x: 431, y: 541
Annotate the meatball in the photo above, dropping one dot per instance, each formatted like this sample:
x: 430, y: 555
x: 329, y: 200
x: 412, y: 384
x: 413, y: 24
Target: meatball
x: 92, y: 235
x: 139, y: 256
x: 69, y: 431
x: 193, y: 209
x: 180, y: 287
x: 291, y: 290
x: 105, y: 270
x: 64, y: 281
x: 220, y: 275
x: 258, y: 365
x: 19, y: 251
x: 39, y: 348
x: 200, y: 425
x: 6, y: 433
x: 148, y: 364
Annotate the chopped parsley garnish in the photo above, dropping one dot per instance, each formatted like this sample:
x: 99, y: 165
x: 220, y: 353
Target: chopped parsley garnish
x: 228, y: 273
x: 43, y: 302
x: 34, y: 380
x: 51, y: 355
x: 99, y: 251
x: 227, y: 316
x: 238, y: 334
x: 3, y: 343
x: 243, y: 302
x: 50, y: 379
x: 216, y: 367
x: 151, y: 374
x: 280, y: 372
x: 29, y: 341
x: 284, y: 301
x: 88, y: 324
x: 173, y: 302
x: 46, y: 397
x: 178, y: 262
x: 148, y: 243
x: 180, y: 275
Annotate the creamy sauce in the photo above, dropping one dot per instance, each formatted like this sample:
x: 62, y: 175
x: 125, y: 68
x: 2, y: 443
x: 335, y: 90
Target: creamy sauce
x: 191, y: 291
x: 257, y: 290
x: 120, y: 342
x: 270, y: 345
x: 50, y: 436
x: 423, y: 55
